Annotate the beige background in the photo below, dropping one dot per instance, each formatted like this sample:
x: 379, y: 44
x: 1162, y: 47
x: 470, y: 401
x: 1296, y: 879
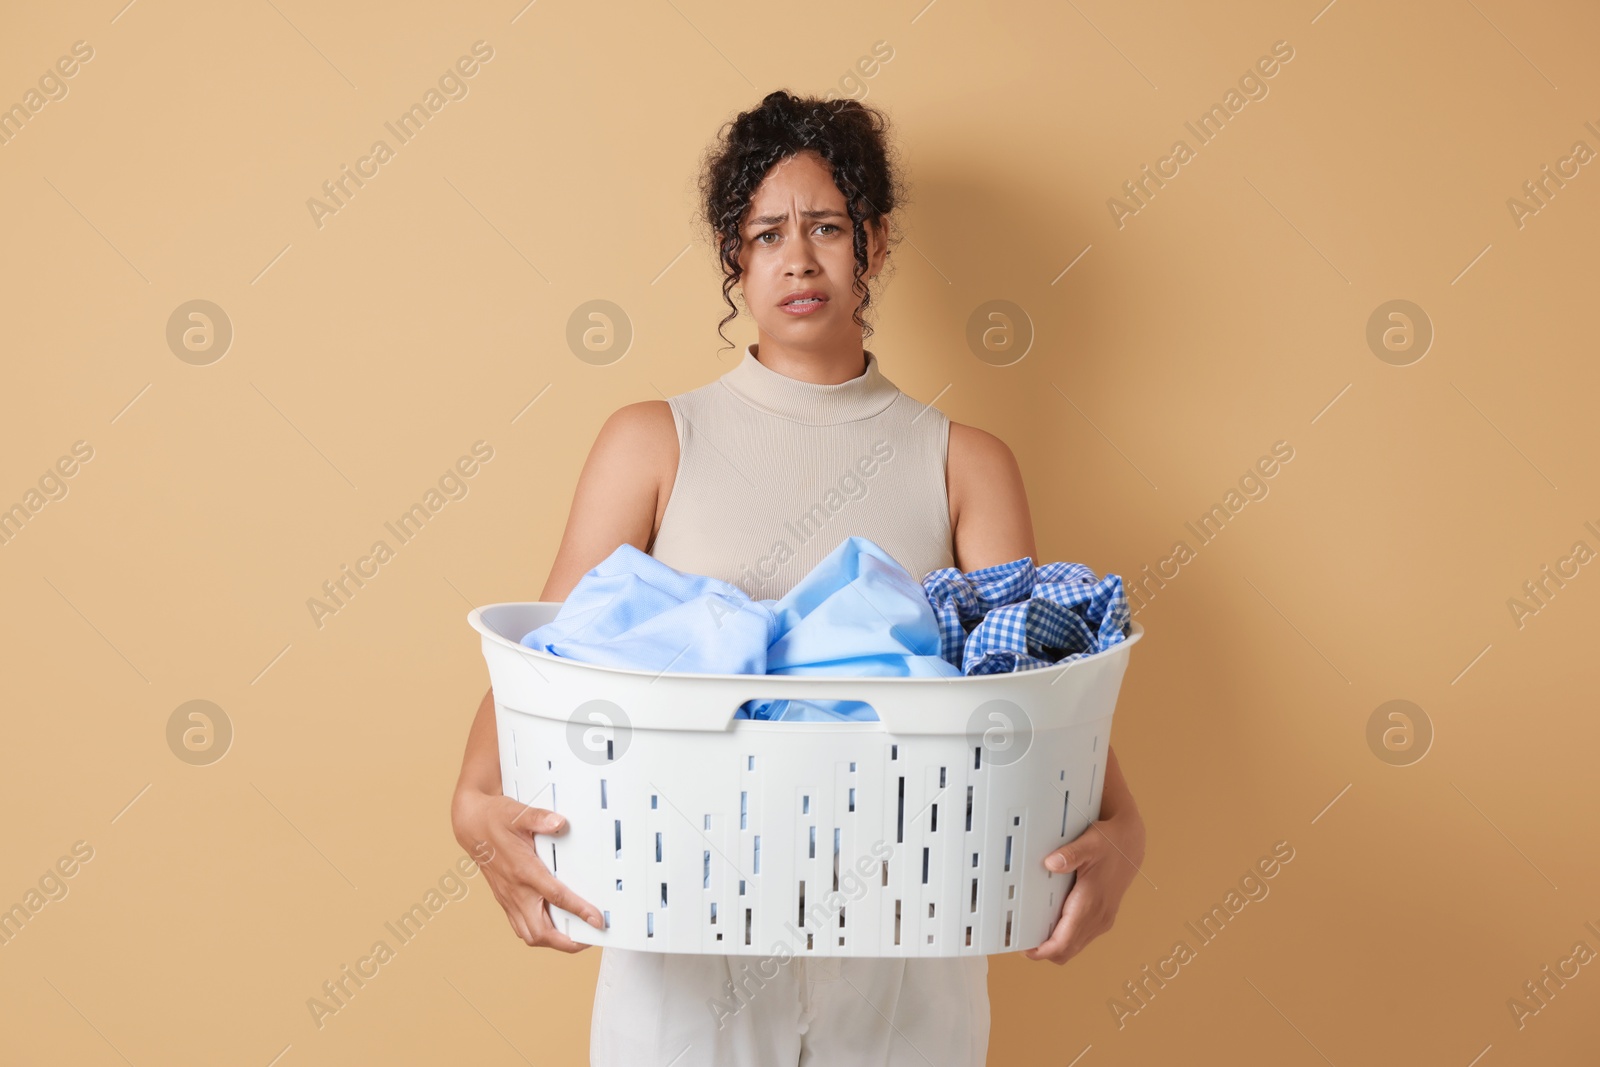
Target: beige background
x: 368, y: 354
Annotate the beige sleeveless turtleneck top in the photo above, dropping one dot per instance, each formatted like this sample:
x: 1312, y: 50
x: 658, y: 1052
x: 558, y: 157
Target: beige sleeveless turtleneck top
x: 774, y: 472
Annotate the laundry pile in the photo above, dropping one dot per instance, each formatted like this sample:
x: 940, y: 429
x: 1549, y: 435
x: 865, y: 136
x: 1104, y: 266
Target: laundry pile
x: 858, y: 613
x: 1015, y: 616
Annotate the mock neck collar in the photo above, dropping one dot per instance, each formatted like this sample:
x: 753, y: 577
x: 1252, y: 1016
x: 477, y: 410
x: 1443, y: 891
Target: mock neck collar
x: 761, y: 387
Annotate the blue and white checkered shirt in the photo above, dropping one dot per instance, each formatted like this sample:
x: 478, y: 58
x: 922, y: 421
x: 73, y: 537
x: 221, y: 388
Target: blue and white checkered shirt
x: 1016, y: 617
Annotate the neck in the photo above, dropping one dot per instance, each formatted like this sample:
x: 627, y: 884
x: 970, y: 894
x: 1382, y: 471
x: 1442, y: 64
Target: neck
x: 827, y: 364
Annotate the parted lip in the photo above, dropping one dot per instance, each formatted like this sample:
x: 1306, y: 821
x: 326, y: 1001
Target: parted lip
x: 803, y: 294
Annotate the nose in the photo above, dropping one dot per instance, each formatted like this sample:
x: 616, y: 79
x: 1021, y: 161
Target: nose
x: 802, y: 257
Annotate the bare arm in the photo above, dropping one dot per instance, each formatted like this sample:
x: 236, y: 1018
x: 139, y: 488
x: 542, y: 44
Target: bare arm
x: 989, y: 514
x: 616, y: 502
x: 619, y: 498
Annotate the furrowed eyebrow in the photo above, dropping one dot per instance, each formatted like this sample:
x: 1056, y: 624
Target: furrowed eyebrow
x: 775, y: 220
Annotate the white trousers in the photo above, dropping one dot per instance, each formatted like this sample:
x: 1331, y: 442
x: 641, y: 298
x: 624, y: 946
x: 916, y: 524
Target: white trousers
x: 654, y: 1009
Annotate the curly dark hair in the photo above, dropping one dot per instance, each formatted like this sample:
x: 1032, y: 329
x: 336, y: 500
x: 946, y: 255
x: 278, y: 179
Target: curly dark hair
x: 850, y: 137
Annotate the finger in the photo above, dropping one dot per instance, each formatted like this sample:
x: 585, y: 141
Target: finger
x: 546, y: 934
x: 524, y: 869
x: 509, y: 902
x: 530, y: 874
x: 519, y: 926
x: 568, y: 901
x: 1075, y: 854
x: 529, y: 820
x: 1069, y: 857
x: 529, y: 870
x: 1080, y: 902
x: 528, y: 883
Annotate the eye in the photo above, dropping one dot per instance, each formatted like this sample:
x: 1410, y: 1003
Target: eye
x: 827, y: 226
x: 769, y: 233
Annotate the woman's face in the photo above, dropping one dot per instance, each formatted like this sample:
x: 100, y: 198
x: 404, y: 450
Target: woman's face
x: 796, y: 239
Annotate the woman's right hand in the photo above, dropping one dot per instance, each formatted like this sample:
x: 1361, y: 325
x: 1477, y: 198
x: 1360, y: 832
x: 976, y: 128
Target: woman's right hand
x: 621, y: 491
x: 521, y: 882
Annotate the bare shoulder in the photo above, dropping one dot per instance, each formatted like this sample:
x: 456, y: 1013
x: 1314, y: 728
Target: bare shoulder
x: 640, y: 446
x: 978, y: 451
x: 989, y: 513
x: 621, y: 492
x: 644, y: 426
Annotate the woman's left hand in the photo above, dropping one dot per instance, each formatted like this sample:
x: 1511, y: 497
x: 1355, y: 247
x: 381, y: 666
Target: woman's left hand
x: 1106, y: 856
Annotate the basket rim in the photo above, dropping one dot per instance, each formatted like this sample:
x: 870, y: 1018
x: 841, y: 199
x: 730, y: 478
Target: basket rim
x: 475, y: 620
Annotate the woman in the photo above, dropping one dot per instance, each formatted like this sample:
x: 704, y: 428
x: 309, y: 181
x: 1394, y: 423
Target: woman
x: 728, y: 480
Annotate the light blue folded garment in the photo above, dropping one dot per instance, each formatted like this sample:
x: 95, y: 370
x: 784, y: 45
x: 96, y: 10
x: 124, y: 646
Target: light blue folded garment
x: 858, y: 613
x: 634, y: 611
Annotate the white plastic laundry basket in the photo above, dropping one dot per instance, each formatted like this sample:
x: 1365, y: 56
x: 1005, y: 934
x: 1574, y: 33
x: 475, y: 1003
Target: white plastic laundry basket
x: 921, y: 834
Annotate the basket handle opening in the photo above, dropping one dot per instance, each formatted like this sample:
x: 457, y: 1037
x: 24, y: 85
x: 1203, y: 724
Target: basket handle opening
x: 809, y: 709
